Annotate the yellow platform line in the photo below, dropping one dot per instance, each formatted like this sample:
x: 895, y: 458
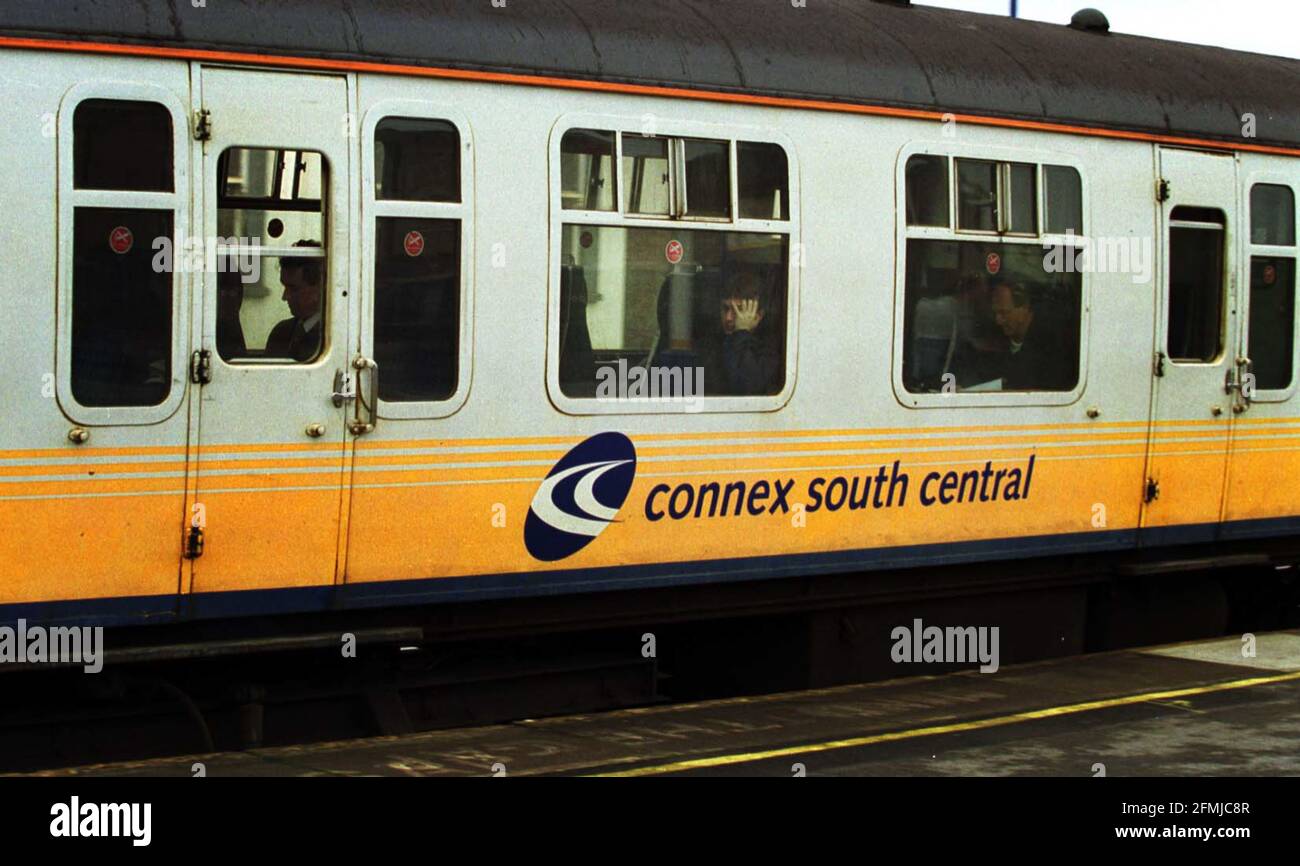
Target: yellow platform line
x: 980, y: 724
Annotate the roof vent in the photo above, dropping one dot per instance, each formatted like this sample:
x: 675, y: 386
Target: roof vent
x: 1090, y: 21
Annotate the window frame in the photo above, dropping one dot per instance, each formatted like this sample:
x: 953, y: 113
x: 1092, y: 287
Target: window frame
x: 904, y: 233
x: 373, y: 209
x: 279, y: 251
x: 1227, y: 310
x: 1252, y: 251
x: 70, y: 199
x: 559, y: 217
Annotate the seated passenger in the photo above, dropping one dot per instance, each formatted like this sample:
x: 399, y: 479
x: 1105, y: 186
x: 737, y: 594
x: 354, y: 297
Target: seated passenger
x: 749, y: 358
x: 1037, y: 359
x: 301, y: 336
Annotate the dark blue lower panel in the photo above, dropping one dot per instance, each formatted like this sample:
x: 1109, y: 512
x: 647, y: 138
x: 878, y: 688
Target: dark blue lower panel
x: 161, y: 609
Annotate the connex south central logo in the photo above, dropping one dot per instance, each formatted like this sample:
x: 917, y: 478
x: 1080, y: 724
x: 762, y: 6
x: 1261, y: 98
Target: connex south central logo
x: 580, y: 497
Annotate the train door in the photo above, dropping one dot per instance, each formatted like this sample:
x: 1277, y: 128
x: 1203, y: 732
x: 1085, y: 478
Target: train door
x: 1265, y: 383
x: 416, y: 270
x: 267, y: 494
x: 1196, y: 339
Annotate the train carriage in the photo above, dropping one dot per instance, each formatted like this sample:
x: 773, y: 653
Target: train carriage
x: 310, y: 306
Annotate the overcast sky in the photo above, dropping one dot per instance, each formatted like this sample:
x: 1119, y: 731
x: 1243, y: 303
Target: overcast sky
x: 1266, y: 26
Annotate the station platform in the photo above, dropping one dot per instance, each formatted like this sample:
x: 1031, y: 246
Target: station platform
x: 1195, y: 709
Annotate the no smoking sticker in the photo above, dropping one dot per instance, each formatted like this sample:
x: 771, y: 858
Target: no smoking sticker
x: 414, y: 244
x: 1270, y: 275
x: 120, y: 240
x: 674, y: 252
x: 993, y: 263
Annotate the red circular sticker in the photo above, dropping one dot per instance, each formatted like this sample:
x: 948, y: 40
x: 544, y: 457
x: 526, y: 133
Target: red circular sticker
x: 993, y: 263
x: 674, y: 252
x: 1270, y: 275
x: 414, y: 244
x: 120, y: 240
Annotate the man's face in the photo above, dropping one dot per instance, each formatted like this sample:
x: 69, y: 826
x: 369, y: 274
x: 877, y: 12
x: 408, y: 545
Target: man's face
x: 1014, y: 321
x: 729, y: 315
x: 300, y: 293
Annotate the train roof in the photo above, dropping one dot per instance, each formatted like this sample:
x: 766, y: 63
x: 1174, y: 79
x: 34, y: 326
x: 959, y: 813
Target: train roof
x: 865, y: 52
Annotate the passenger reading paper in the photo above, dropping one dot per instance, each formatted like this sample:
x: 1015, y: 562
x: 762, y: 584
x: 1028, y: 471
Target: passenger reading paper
x: 1036, y: 359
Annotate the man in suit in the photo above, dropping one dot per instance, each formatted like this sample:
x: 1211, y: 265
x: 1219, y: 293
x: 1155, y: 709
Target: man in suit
x: 301, y: 336
x: 1037, y: 358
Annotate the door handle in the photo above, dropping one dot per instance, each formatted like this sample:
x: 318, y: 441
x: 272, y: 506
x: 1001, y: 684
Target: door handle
x: 366, y: 367
x: 343, y: 392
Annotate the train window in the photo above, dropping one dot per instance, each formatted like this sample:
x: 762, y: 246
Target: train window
x: 927, y: 191
x: 647, y: 178
x: 417, y: 308
x: 977, y: 195
x: 1271, y: 342
x: 417, y: 294
x: 986, y: 317
x: 587, y: 170
x: 1272, y: 322
x: 708, y: 179
x: 697, y: 310
x: 122, y: 145
x: 713, y: 324
x: 417, y: 160
x: 990, y: 315
x: 1196, y: 284
x: 763, y: 178
x: 1064, y: 199
x: 1272, y: 216
x: 1020, y: 187
x: 121, y: 308
x: 270, y: 206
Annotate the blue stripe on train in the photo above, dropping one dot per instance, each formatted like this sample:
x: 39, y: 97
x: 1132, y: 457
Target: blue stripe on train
x: 160, y: 609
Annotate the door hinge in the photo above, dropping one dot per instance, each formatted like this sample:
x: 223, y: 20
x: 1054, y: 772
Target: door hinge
x: 1162, y: 190
x: 201, y: 367
x: 202, y: 124
x: 194, y: 543
x: 1152, y: 492
x: 1158, y: 366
